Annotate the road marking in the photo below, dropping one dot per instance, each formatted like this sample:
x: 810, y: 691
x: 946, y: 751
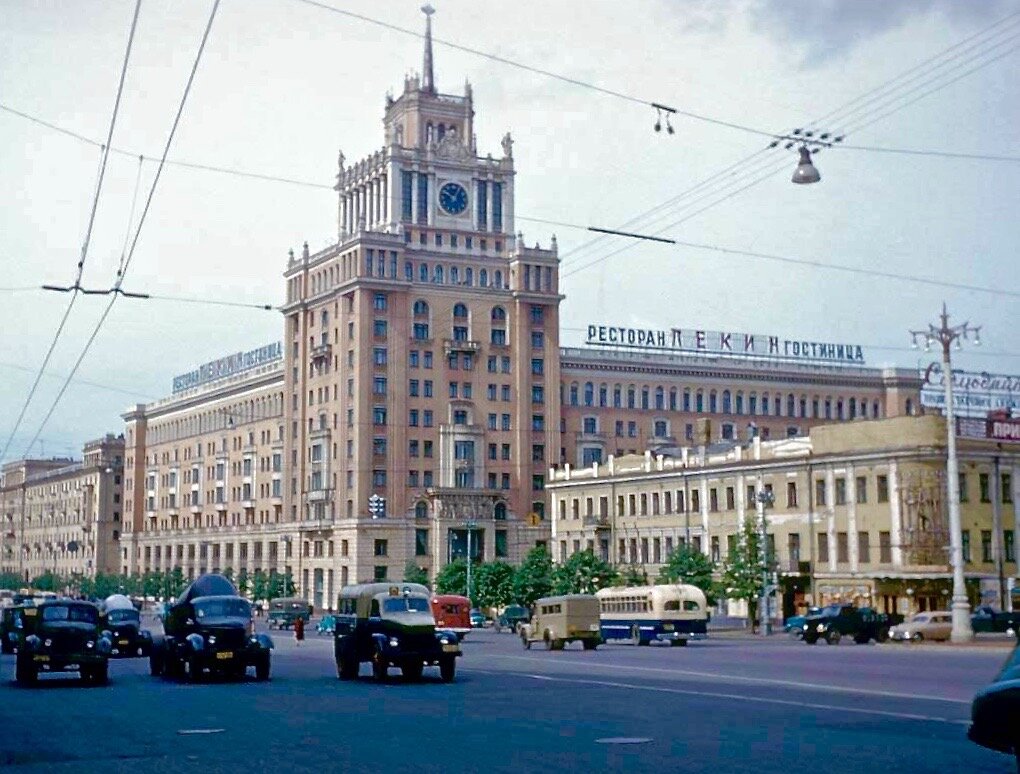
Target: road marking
x: 623, y: 740
x: 197, y: 731
x: 742, y: 679
x: 759, y: 699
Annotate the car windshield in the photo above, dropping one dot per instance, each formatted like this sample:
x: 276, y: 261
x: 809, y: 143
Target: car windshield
x: 515, y: 611
x: 122, y: 616
x: 830, y: 610
x: 73, y: 613
x: 406, y: 604
x: 919, y: 618
x: 222, y: 608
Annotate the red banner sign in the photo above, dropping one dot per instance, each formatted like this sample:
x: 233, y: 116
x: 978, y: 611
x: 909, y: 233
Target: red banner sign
x: 1004, y: 429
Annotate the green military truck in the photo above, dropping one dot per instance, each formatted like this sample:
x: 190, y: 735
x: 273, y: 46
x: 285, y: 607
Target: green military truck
x: 834, y: 622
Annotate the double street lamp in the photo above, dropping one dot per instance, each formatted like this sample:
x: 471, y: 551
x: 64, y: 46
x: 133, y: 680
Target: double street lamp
x: 764, y: 499
x: 946, y: 335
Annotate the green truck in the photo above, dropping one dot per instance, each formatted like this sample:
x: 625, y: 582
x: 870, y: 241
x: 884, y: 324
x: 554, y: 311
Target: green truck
x: 833, y: 622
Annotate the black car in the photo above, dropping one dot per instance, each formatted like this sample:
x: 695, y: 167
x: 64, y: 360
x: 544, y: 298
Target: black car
x: 512, y: 617
x: 995, y: 712
x: 391, y: 625
x: 62, y: 635
x: 124, y: 623
x: 208, y: 629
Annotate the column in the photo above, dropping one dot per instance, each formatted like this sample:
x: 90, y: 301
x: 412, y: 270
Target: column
x: 414, y: 197
x: 705, y: 536
x: 432, y: 199
x: 385, y: 200
x: 488, y: 205
x: 830, y: 498
x: 895, y: 519
x: 741, y: 502
x: 998, y: 555
x: 851, y: 519
x: 349, y: 212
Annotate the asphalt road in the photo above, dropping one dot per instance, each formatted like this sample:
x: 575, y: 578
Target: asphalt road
x: 721, y: 705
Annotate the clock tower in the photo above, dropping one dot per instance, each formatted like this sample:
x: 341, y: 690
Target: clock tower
x: 423, y: 355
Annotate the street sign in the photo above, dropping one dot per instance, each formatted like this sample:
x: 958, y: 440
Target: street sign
x: 377, y: 506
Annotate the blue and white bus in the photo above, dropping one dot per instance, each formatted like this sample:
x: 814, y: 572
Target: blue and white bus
x: 644, y: 614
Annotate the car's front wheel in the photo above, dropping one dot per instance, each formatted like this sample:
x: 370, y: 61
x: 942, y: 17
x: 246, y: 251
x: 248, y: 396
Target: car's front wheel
x: 25, y: 673
x: 833, y: 637
x: 380, y: 669
x: 155, y: 663
x: 796, y: 633
x: 262, y: 668
x: 412, y: 671
x: 918, y: 637
x: 448, y: 669
x: 525, y: 641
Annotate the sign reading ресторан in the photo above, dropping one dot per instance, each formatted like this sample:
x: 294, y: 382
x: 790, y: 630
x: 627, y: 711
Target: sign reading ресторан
x: 695, y: 341
x: 228, y: 366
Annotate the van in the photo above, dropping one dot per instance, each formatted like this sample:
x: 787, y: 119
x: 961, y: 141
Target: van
x: 559, y: 620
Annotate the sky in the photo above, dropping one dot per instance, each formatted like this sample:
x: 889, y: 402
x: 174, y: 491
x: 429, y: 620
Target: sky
x: 283, y: 85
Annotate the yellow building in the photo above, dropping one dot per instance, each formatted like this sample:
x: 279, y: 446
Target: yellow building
x: 859, y: 511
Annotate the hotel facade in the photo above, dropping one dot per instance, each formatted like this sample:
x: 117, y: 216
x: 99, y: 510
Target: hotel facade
x: 859, y: 512
x: 419, y: 394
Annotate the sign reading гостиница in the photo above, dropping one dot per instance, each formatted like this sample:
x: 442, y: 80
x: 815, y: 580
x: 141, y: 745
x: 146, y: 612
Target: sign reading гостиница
x: 692, y: 341
x: 229, y: 365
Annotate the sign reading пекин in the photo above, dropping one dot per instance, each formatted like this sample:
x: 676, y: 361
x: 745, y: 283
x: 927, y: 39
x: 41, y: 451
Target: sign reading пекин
x: 229, y: 365
x: 694, y: 341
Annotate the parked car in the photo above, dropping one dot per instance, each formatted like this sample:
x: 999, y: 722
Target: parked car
x: 834, y: 622
x: 477, y: 619
x: 209, y: 629
x: 326, y: 625
x: 986, y: 619
x: 512, y: 617
x: 62, y: 635
x: 122, y: 619
x: 995, y: 711
x: 794, y: 625
x: 935, y: 625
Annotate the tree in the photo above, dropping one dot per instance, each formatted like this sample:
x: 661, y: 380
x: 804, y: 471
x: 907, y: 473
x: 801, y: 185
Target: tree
x: 176, y: 582
x: 632, y: 576
x: 243, y: 582
x: 260, y: 585
x: 583, y: 573
x: 493, y: 585
x: 686, y: 565
x: 742, y: 570
x: 280, y: 586
x: 48, y: 581
x: 452, y: 579
x: 11, y: 581
x: 415, y: 574
x: 152, y: 584
x: 533, y: 579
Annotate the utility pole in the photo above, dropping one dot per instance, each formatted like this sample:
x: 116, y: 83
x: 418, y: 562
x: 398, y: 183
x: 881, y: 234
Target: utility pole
x: 946, y: 335
x: 470, y: 528
x: 764, y: 499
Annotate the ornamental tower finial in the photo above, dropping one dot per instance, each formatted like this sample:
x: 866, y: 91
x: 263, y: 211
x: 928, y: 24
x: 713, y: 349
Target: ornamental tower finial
x: 428, y: 81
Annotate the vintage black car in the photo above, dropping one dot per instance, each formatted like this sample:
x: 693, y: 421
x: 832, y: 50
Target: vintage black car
x: 833, y: 622
x: 10, y: 628
x: 512, y: 617
x: 62, y: 635
x: 208, y: 629
x: 391, y: 625
x: 124, y: 623
x: 995, y: 712
x: 285, y: 611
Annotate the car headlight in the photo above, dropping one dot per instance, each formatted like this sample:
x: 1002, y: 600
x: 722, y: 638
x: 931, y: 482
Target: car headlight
x: 444, y: 641
x: 212, y: 639
x: 394, y: 642
x: 47, y: 642
x: 90, y: 644
x: 820, y: 628
x: 104, y: 645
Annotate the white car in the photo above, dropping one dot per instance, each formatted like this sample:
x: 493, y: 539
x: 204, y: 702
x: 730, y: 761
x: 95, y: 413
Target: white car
x: 936, y: 625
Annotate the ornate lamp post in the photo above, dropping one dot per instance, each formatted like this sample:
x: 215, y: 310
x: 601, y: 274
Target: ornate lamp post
x: 764, y: 499
x: 946, y: 335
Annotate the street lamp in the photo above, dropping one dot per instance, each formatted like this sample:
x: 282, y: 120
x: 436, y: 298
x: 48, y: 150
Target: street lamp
x: 806, y: 172
x: 470, y: 528
x: 764, y: 499
x: 945, y: 335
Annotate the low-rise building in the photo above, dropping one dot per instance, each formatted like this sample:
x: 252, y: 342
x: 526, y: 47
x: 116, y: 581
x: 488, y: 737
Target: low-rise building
x: 61, y: 515
x: 859, y: 511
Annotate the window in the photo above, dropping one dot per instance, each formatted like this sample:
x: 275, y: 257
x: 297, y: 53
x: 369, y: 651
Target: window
x: 885, y: 547
x: 501, y: 544
x: 713, y: 499
x: 379, y: 385
x: 379, y: 415
x: 378, y: 575
x: 983, y: 486
x: 842, y: 547
x: 537, y: 340
x: 381, y: 547
x: 730, y: 498
x: 412, y: 388
x: 412, y: 418
x: 791, y: 494
x: 505, y: 422
x: 379, y: 356
x: 1009, y: 545
x: 426, y: 418
x: 986, y: 545
x: 421, y: 540
x: 882, y: 495
x: 840, y: 491
x: 820, y: 491
x: 823, y: 547
x: 861, y: 489
x: 421, y: 331
x: 537, y: 366
x: 1007, y: 488
x: 537, y: 394
x: 537, y: 422
x: 863, y: 548
x: 379, y: 302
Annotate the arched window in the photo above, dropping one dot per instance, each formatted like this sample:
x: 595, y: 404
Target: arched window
x: 631, y: 397
x: 765, y: 404
x: 740, y: 402
x: 603, y: 395
x: 498, y: 314
x: 483, y: 278
x: 660, y: 398
x: 910, y: 407
x: 499, y: 513
x: 617, y: 396
x: 589, y: 394
x: 839, y: 408
x: 828, y: 407
x: 815, y: 411
x: 440, y: 131
x: 421, y: 309
x: 644, y: 398
x: 875, y: 410
x: 712, y: 405
x: 438, y: 276
x: 421, y: 510
x: 672, y: 398
x: 497, y: 279
x: 687, y: 398
x: 573, y: 394
x: 325, y: 318
x: 460, y: 311
x: 469, y: 276
x: 853, y: 408
x: 454, y: 275
x: 699, y: 402
x: 429, y: 132
x: 727, y: 405
x: 423, y: 272
x: 791, y: 405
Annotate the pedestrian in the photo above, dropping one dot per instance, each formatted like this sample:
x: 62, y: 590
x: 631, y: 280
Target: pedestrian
x: 299, y: 630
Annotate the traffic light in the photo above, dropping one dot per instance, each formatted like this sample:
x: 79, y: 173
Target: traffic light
x: 377, y: 506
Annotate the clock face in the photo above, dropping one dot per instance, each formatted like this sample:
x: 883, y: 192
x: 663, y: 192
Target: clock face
x: 453, y: 198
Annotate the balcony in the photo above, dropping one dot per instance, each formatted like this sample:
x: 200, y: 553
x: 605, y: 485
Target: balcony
x: 319, y: 495
x: 321, y: 351
x: 795, y: 566
x: 196, y: 509
x: 597, y: 521
x: 583, y: 437
x: 453, y: 345
x: 221, y: 506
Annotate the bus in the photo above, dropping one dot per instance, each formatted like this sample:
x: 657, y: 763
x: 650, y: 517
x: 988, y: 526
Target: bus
x: 452, y: 612
x: 645, y: 614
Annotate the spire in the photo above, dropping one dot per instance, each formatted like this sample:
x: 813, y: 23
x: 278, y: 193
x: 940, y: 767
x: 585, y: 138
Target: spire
x: 428, y: 83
